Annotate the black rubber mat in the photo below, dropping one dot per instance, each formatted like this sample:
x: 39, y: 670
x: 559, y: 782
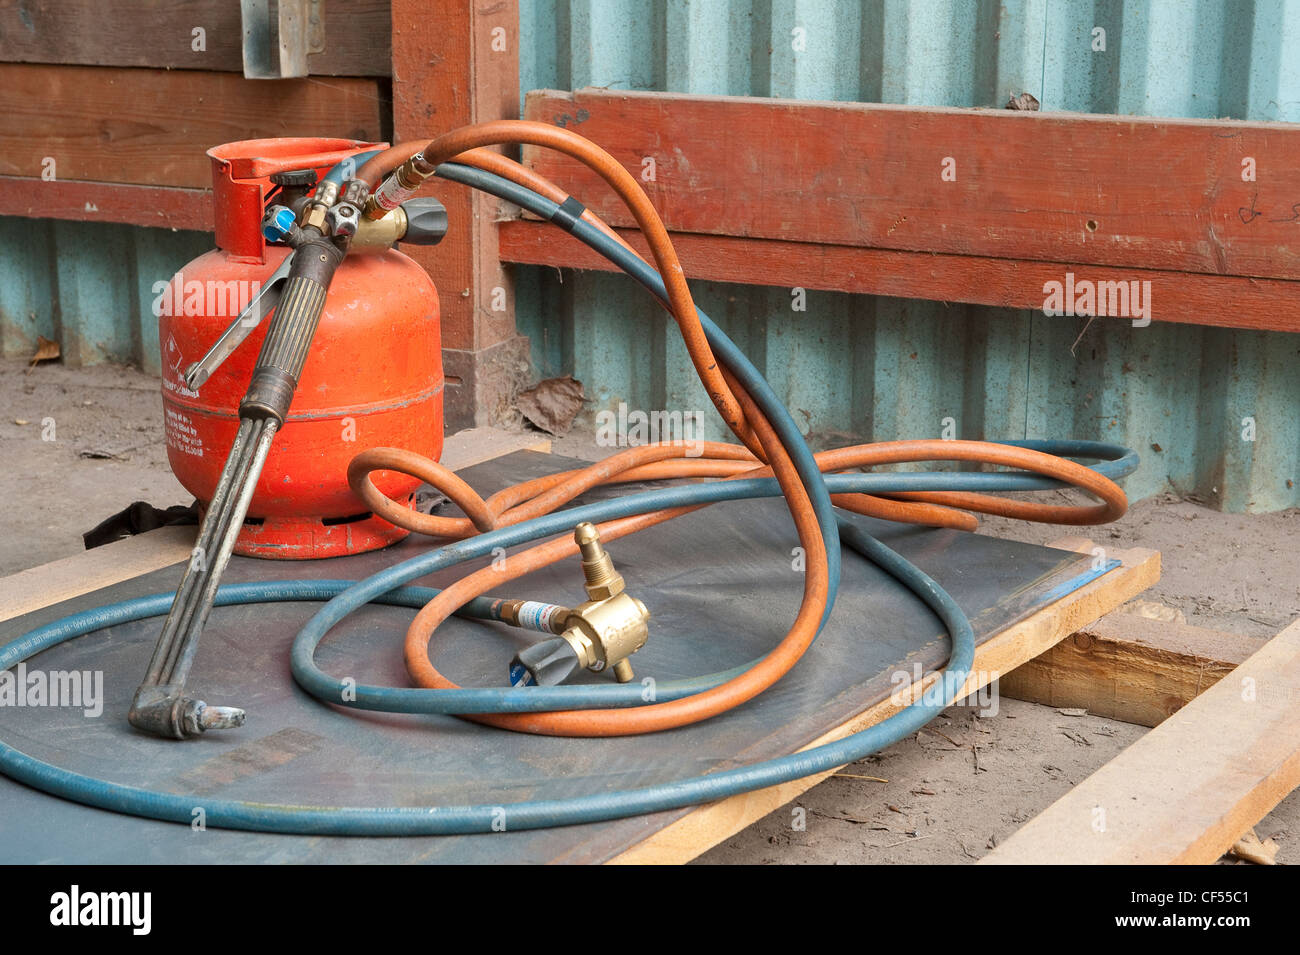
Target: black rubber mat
x: 722, y: 590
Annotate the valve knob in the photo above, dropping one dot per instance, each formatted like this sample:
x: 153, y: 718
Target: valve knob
x: 543, y: 664
x: 295, y: 178
x: 278, y: 223
x: 426, y: 221
x: 343, y: 219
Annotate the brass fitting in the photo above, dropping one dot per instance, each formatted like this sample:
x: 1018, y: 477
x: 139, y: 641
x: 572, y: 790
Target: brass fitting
x: 603, y: 581
x: 612, y: 625
x: 403, y: 183
x: 375, y: 235
x: 315, y: 212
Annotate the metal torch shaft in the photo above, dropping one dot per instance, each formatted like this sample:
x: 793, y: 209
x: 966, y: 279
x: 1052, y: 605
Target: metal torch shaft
x: 160, y: 704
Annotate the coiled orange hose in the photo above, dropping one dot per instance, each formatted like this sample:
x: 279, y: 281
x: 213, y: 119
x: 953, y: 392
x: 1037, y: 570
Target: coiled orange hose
x: 540, y: 496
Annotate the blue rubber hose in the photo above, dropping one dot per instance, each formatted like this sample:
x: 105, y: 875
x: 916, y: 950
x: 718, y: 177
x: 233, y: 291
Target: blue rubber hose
x: 540, y: 699
x: 458, y: 820
x: 386, y: 587
x: 466, y: 700
x: 357, y: 160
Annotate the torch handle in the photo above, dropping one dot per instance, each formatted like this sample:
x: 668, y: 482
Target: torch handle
x: 284, y: 352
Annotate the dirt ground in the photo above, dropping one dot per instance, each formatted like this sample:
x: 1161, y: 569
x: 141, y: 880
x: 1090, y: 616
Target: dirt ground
x: 81, y: 444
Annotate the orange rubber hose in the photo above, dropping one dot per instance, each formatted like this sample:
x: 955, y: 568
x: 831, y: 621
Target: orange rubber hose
x: 654, y: 462
x: 657, y: 716
x: 913, y: 512
x: 449, y: 145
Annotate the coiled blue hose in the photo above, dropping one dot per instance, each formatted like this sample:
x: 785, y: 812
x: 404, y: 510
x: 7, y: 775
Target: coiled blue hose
x: 458, y: 820
x: 386, y: 587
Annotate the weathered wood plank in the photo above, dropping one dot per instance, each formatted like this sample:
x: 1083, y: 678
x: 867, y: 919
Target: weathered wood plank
x: 1185, y: 792
x: 106, y: 124
x: 1130, y: 668
x: 449, y: 71
x: 1193, y: 298
x: 708, y: 825
x: 161, y: 34
x: 164, y: 207
x: 1098, y: 191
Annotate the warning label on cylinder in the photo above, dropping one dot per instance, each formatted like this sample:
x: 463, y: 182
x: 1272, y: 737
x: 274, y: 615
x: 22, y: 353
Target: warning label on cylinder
x: 182, y: 435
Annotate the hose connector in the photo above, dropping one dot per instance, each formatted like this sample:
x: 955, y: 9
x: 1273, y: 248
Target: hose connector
x: 597, y: 635
x: 316, y: 212
x: 401, y: 185
x: 418, y: 221
x: 603, y: 581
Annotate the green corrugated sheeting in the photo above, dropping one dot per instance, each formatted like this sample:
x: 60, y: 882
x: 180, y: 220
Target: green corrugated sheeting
x: 857, y: 365
x: 886, y: 368
x: 88, y: 286
x: 1183, y: 395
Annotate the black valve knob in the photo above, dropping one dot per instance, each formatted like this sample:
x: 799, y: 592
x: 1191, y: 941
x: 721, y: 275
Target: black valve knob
x: 295, y: 178
x: 543, y: 664
x: 426, y: 221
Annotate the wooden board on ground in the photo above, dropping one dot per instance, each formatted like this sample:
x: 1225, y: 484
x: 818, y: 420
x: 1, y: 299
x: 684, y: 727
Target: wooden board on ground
x: 1131, y: 668
x: 705, y: 827
x: 70, y: 577
x: 1185, y: 792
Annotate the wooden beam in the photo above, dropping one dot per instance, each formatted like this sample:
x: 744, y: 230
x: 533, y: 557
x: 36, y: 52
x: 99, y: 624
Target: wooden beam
x: 1227, y: 301
x: 459, y: 67
x: 1185, y: 792
x: 104, y: 124
x: 161, y: 34
x: 708, y: 825
x: 166, y: 207
x: 1130, y: 668
x: 1098, y: 191
x: 449, y: 70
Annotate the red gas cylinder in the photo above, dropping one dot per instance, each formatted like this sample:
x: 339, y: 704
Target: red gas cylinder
x: 373, y: 376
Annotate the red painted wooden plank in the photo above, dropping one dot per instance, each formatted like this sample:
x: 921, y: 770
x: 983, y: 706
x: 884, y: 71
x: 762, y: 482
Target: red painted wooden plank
x: 157, y: 206
x: 1191, y: 298
x: 449, y: 70
x: 153, y: 127
x: 165, y: 34
x: 1058, y: 187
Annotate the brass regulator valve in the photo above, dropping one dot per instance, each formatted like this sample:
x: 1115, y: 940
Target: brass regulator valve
x: 597, y: 635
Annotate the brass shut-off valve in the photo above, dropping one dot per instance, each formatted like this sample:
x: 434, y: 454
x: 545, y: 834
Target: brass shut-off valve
x: 597, y: 635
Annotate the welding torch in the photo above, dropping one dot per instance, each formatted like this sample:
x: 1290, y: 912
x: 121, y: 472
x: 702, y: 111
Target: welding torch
x: 320, y: 230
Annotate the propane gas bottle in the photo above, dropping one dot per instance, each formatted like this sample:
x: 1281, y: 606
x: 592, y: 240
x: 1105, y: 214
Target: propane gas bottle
x: 373, y: 375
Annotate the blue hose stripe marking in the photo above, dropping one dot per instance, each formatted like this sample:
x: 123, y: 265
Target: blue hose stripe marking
x: 534, y: 615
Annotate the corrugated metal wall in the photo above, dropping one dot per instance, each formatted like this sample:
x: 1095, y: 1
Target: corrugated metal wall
x: 88, y: 286
x: 889, y: 368
x: 868, y: 366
